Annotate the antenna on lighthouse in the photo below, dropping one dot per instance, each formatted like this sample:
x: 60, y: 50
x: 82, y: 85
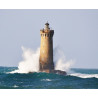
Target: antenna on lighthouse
x: 47, y: 25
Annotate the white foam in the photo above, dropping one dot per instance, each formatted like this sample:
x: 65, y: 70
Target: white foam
x: 60, y: 61
x: 84, y: 75
x: 30, y: 62
x: 46, y: 80
x: 15, y: 86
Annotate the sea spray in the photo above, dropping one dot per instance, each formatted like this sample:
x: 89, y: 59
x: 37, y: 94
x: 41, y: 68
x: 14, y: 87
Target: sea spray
x: 30, y: 62
x: 84, y: 75
x: 60, y: 61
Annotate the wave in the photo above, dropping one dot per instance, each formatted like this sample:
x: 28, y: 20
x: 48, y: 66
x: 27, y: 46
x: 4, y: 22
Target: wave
x: 84, y: 75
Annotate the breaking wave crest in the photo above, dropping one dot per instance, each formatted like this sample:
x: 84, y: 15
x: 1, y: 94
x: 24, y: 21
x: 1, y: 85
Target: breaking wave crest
x: 84, y: 75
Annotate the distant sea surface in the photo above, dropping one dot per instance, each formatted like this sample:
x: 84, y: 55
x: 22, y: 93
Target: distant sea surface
x: 77, y: 79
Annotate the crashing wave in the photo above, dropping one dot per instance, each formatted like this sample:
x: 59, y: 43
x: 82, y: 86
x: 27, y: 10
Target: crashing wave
x: 30, y: 62
x: 84, y: 75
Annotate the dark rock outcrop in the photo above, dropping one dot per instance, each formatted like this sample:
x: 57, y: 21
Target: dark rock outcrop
x: 54, y: 71
x: 58, y: 72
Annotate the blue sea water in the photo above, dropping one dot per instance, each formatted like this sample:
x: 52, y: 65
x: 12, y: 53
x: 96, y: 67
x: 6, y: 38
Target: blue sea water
x: 77, y: 79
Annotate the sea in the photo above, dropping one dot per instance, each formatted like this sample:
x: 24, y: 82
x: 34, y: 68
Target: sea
x: 75, y: 79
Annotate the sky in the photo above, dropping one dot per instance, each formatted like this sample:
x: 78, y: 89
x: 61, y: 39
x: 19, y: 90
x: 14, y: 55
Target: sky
x: 75, y: 33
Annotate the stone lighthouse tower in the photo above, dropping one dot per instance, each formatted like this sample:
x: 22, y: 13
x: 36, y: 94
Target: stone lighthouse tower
x: 46, y: 49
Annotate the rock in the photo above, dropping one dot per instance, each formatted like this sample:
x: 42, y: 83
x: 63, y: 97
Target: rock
x: 58, y: 72
x: 54, y: 71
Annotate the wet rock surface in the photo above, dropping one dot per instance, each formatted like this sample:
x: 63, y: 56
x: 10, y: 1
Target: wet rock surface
x: 58, y: 72
x: 55, y: 72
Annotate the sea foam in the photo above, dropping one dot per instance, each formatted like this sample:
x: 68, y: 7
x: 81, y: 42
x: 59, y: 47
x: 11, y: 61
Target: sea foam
x: 84, y: 75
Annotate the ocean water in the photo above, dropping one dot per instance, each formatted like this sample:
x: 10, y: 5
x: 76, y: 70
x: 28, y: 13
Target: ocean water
x: 76, y: 79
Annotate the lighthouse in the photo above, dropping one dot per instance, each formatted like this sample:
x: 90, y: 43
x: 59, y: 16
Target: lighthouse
x: 46, y: 63
x: 46, y: 49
